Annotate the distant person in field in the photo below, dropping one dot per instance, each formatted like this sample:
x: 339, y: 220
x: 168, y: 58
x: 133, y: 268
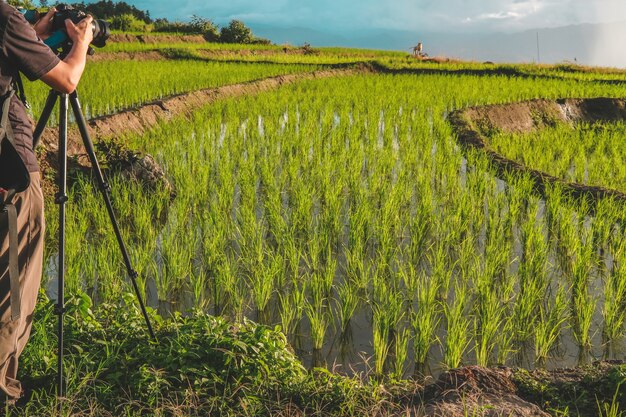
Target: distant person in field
x: 22, y: 50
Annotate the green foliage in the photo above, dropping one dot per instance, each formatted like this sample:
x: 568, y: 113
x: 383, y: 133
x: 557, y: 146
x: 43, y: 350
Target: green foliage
x: 108, y: 9
x: 128, y: 23
x: 206, y: 28
x: 25, y: 4
x: 201, y: 365
x: 590, y: 390
x: 236, y: 32
x: 197, y: 26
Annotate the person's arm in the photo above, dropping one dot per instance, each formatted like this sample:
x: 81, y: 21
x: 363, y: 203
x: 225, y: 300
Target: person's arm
x: 65, y: 76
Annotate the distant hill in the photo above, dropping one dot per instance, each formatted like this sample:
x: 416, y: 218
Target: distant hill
x: 588, y: 44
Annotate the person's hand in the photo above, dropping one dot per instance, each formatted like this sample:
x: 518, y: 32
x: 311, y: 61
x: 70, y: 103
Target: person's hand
x: 43, y: 27
x: 82, y: 32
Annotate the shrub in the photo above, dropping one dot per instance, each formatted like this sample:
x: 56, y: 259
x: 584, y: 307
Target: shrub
x: 128, y: 23
x: 236, y: 32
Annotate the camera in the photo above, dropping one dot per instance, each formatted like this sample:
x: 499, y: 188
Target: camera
x: 59, y: 39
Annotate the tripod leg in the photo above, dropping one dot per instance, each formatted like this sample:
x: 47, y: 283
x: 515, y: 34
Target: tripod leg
x: 105, y: 190
x: 61, y: 199
x: 45, y: 116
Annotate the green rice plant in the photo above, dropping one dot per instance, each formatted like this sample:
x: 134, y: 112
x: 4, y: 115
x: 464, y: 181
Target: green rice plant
x: 348, y: 301
x: 457, y: 327
x: 401, y: 353
x: 387, y: 312
x: 382, y: 345
x: 488, y: 321
x: 235, y: 291
x: 358, y: 270
x: 533, y: 279
x: 263, y: 281
x: 552, y: 317
x: 176, y: 254
x: 614, y: 309
x: 506, y: 339
x: 288, y: 313
x: 102, y: 92
x: 292, y: 307
x: 199, y: 287
x: 420, y: 225
x: 442, y: 270
x: 582, y: 302
x: 318, y: 316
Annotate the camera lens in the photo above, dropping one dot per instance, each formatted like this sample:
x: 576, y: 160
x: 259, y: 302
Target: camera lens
x: 101, y: 33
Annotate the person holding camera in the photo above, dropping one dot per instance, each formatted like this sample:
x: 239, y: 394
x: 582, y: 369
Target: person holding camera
x: 22, y: 50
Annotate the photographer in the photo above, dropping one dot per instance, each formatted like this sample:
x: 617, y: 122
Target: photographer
x: 21, y: 50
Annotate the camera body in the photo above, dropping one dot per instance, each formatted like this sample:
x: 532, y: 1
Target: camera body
x: 58, y: 38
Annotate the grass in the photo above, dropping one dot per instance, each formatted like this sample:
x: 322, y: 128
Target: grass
x: 201, y: 366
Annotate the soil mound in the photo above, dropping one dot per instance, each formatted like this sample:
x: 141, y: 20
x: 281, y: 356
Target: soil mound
x: 127, y: 56
x: 505, y: 392
x: 477, y: 391
x: 475, y: 125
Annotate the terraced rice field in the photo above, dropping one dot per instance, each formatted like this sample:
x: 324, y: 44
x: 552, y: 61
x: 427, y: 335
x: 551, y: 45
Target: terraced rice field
x: 345, y: 211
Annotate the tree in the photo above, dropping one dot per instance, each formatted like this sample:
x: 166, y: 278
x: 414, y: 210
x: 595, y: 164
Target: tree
x: 127, y: 23
x: 205, y: 27
x: 236, y: 32
x: 24, y: 4
x: 107, y: 9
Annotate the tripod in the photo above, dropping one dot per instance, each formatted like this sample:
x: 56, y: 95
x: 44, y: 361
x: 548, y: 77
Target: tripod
x: 61, y: 199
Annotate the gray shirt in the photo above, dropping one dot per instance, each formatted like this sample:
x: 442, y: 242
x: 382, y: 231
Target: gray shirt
x: 21, y: 50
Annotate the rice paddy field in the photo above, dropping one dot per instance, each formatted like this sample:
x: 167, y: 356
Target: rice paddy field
x: 114, y: 85
x: 588, y: 154
x: 343, y: 212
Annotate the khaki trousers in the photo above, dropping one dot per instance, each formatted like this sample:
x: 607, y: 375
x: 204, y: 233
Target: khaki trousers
x: 14, y: 334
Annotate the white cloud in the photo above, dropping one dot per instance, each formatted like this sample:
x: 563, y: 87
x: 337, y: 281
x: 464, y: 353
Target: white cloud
x: 431, y: 15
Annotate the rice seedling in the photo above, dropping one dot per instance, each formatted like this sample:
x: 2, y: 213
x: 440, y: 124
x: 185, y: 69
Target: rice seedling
x: 588, y: 153
x: 488, y: 321
x: 387, y: 311
x: 401, y: 353
x: 614, y: 309
x: 552, y: 317
x: 348, y: 301
x: 533, y: 279
x: 457, y: 327
x: 583, y: 302
x: 319, y: 319
x: 104, y: 92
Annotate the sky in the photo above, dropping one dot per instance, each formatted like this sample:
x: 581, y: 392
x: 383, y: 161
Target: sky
x: 362, y: 15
